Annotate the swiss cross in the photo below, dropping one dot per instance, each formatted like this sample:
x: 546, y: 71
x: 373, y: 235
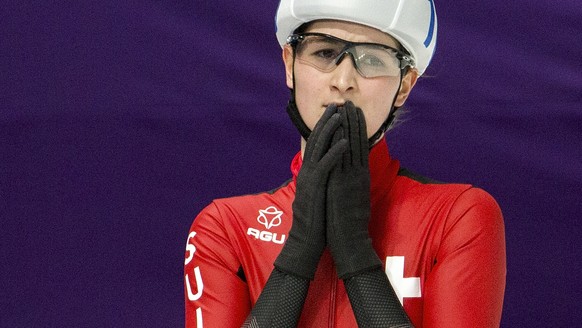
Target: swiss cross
x: 404, y: 287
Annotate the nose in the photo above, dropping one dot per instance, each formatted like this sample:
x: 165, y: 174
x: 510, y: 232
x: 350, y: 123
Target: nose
x: 344, y: 75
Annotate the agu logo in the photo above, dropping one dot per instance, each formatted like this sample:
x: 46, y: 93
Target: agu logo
x: 269, y: 217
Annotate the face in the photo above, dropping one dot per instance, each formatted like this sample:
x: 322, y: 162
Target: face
x: 315, y: 90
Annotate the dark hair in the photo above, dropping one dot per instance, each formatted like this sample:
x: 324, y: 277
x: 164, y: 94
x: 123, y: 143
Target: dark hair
x: 303, y: 27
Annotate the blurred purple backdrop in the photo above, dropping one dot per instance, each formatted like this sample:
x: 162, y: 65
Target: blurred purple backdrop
x: 120, y: 120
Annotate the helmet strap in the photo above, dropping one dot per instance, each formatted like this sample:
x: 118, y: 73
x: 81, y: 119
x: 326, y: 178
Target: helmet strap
x: 391, y: 116
x: 295, y: 117
x: 293, y: 112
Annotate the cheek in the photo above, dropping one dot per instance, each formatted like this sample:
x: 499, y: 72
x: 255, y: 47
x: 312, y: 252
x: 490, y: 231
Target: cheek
x: 308, y: 96
x: 377, y: 102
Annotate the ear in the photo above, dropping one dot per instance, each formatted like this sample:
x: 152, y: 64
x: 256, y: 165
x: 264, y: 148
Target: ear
x: 408, y: 82
x: 288, y: 61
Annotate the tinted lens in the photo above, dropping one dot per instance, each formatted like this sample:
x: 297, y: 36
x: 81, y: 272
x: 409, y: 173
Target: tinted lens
x: 319, y: 51
x: 372, y: 60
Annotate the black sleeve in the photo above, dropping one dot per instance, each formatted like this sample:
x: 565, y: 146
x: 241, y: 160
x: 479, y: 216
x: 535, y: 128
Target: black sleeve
x: 374, y: 301
x: 280, y: 302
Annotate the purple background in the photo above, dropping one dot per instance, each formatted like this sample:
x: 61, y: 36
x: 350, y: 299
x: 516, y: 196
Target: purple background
x: 120, y: 120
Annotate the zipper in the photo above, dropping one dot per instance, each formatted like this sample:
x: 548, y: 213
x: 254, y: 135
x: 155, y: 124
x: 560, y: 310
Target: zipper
x: 332, y: 298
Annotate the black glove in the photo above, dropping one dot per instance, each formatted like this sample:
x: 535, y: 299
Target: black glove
x: 306, y: 241
x: 348, y: 201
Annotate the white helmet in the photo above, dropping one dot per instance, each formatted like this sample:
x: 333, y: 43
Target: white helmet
x: 412, y: 22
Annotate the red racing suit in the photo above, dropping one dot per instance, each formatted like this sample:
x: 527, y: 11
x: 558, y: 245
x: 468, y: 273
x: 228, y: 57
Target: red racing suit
x: 442, y: 247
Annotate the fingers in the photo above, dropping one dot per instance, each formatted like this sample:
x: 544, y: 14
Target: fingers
x: 325, y: 135
x: 336, y: 152
x: 321, y: 128
x: 363, y: 138
x: 333, y: 155
x: 355, y: 123
x: 346, y: 161
x: 339, y: 133
x: 354, y: 133
x: 323, y: 140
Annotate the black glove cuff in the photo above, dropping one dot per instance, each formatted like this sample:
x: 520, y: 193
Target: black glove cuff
x: 298, y: 261
x: 353, y: 259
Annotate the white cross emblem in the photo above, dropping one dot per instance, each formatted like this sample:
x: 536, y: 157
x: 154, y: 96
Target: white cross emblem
x: 404, y: 287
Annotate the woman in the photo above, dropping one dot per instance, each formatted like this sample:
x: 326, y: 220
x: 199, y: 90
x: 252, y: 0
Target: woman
x: 352, y: 239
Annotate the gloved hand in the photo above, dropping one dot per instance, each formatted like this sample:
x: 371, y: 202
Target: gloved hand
x: 348, y: 200
x: 306, y: 241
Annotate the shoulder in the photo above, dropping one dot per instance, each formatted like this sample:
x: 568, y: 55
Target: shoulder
x: 419, y: 183
x: 454, y: 200
x: 413, y: 187
x: 256, y: 200
x: 475, y: 212
x: 460, y: 218
x: 232, y: 211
